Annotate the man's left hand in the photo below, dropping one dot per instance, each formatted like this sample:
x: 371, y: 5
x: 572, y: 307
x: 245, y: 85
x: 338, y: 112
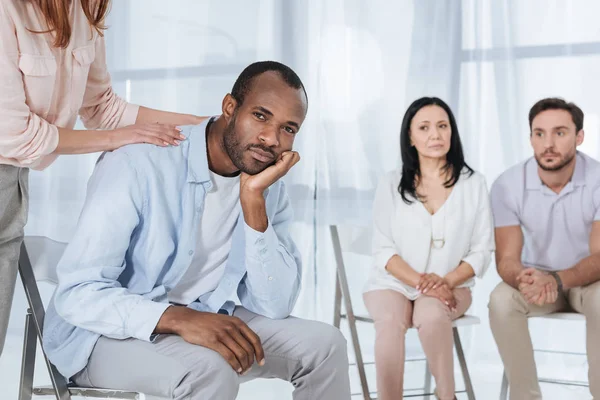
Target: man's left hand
x: 257, y: 184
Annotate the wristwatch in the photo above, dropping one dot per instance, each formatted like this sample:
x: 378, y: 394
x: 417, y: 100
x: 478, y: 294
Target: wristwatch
x: 558, y: 280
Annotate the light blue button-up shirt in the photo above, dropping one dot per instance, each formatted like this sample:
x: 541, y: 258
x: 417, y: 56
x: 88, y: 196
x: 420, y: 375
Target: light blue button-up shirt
x: 135, y: 239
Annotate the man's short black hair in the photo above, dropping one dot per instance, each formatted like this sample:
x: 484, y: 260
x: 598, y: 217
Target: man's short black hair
x: 243, y: 84
x: 555, y: 103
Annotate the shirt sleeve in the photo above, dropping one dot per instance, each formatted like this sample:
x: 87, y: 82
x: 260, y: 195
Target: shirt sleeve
x: 596, y: 202
x: 383, y: 244
x: 504, y: 207
x: 482, y: 238
x: 273, y: 263
x: 25, y: 137
x: 89, y: 294
x: 101, y: 107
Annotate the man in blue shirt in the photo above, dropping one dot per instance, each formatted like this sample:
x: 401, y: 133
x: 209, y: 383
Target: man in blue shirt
x: 169, y: 237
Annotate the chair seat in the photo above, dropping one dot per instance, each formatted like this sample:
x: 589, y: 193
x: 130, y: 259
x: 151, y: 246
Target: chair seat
x: 466, y: 320
x: 44, y: 255
x: 89, y: 393
x: 573, y: 316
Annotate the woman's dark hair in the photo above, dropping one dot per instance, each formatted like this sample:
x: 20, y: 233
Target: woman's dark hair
x: 411, y: 170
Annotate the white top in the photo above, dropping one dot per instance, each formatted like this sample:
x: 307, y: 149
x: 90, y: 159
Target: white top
x: 219, y: 217
x: 463, y: 225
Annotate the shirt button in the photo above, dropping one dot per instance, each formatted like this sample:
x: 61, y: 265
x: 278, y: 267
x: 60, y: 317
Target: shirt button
x: 191, y: 252
x: 270, y: 278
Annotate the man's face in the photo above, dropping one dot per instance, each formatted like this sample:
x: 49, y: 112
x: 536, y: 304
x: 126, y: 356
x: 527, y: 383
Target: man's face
x: 265, y: 124
x: 554, y: 139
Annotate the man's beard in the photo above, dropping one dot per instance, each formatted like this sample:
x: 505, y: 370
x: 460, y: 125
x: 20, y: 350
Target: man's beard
x: 236, y: 151
x: 562, y: 163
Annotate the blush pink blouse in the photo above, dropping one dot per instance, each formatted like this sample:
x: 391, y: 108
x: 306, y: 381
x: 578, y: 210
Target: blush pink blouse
x: 43, y: 87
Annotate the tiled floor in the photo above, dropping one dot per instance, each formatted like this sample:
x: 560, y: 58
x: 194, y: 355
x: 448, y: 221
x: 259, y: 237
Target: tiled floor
x: 485, y: 374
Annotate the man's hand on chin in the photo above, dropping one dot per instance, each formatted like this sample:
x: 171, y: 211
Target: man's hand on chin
x: 252, y: 188
x: 251, y: 185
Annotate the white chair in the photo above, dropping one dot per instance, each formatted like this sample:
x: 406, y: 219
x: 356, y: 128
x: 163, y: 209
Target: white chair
x: 358, y: 241
x: 37, y: 263
x: 569, y: 316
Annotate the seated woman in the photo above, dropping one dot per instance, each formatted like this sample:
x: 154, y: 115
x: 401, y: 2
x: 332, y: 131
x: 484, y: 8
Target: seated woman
x: 432, y: 234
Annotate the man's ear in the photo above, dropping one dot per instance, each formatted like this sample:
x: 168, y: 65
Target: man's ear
x: 228, y: 107
x: 579, y: 137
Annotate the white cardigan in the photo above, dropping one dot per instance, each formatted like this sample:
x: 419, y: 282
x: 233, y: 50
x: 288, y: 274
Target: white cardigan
x: 464, y: 223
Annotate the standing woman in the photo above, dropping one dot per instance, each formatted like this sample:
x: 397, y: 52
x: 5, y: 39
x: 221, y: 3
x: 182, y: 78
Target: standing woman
x: 432, y: 235
x: 52, y: 69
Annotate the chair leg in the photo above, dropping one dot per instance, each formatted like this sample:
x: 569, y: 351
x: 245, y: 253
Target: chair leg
x: 359, y: 360
x: 59, y: 383
x: 463, y: 365
x: 427, y: 387
x: 28, y: 361
x: 504, y: 387
x: 345, y: 292
x: 337, y: 305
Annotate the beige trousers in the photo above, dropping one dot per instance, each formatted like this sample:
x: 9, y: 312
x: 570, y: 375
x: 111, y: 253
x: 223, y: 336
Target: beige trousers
x: 393, y: 314
x: 508, y: 319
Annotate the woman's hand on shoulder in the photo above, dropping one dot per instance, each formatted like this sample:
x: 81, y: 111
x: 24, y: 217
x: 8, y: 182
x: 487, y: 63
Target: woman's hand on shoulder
x: 154, y: 133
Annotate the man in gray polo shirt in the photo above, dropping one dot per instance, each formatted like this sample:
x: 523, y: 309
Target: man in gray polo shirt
x: 547, y: 218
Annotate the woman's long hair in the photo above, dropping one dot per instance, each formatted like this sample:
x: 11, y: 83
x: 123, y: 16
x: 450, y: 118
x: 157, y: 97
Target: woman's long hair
x: 411, y: 169
x: 56, y: 15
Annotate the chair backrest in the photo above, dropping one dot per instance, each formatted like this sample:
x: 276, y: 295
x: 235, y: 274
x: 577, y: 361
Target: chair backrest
x: 354, y: 239
x: 44, y: 255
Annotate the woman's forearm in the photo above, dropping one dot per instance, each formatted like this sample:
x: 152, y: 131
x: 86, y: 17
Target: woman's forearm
x: 460, y: 275
x: 150, y: 115
x: 82, y: 142
x: 402, y: 271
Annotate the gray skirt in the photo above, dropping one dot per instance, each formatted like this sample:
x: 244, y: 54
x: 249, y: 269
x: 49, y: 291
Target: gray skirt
x: 14, y: 200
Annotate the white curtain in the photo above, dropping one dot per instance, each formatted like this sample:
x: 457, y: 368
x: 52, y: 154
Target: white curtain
x: 513, y: 54
x: 362, y: 62
x: 490, y: 60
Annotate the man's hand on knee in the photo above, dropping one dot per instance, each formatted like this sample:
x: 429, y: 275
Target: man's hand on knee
x: 228, y: 336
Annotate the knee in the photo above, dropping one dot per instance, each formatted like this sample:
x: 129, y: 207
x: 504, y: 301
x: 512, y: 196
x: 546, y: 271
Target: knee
x: 591, y: 304
x: 227, y: 378
x: 433, y: 318
x: 334, y: 340
x: 502, y: 301
x: 213, y: 375
x: 329, y: 343
x: 391, y: 323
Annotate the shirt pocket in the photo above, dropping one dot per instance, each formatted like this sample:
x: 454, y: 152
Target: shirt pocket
x: 83, y: 57
x: 39, y: 80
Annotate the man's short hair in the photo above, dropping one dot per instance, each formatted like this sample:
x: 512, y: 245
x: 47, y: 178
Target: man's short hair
x: 555, y: 103
x: 243, y: 84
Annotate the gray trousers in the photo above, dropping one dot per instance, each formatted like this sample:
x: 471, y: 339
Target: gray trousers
x: 13, y: 216
x: 309, y: 354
